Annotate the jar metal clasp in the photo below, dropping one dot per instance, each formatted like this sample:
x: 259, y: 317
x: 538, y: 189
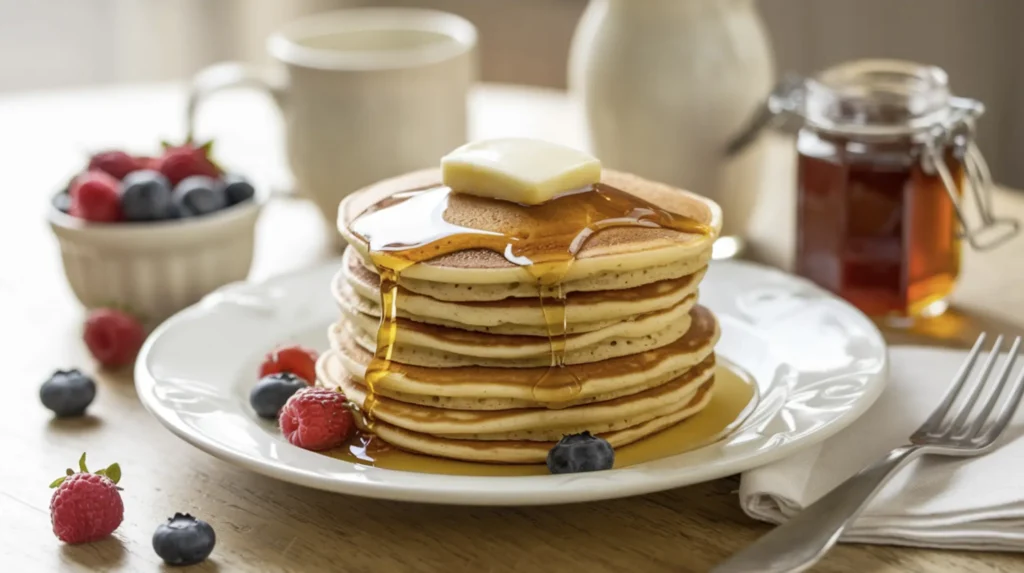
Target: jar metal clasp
x: 958, y: 132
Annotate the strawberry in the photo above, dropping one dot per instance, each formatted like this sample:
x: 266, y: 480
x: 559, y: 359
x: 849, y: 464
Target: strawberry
x: 95, y: 196
x: 316, y: 419
x: 179, y: 162
x: 86, y: 506
x: 294, y: 359
x: 113, y: 337
x: 117, y: 164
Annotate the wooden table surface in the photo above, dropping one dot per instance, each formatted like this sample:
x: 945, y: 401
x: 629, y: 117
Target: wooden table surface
x: 266, y: 525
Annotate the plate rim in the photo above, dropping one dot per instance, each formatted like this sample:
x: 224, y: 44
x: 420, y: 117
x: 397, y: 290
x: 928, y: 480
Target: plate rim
x: 502, y: 490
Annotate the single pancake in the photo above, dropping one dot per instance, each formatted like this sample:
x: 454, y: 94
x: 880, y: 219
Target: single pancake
x: 611, y: 250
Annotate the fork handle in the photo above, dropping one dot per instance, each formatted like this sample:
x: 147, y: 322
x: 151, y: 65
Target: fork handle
x: 804, y: 539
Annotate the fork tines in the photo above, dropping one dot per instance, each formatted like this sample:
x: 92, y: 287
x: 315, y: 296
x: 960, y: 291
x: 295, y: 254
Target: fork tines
x: 961, y: 417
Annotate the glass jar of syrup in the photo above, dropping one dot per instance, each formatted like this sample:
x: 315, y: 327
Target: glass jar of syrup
x: 886, y: 165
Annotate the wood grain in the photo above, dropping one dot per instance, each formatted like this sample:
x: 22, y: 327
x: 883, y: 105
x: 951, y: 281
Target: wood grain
x: 266, y: 525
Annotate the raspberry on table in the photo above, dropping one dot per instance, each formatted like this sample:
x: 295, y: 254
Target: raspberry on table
x: 316, y: 419
x: 86, y: 506
x: 113, y: 337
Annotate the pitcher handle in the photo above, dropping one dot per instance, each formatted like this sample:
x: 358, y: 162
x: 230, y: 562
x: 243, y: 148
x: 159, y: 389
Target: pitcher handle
x: 228, y: 75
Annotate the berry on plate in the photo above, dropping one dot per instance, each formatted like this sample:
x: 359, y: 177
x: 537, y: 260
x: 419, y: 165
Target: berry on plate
x: 67, y: 393
x: 272, y: 391
x: 146, y: 196
x: 113, y: 337
x: 199, y: 195
x: 237, y: 189
x: 180, y: 162
x: 316, y: 419
x: 298, y: 360
x: 95, y: 196
x: 580, y: 453
x: 86, y: 506
x: 117, y: 164
x: 184, y: 540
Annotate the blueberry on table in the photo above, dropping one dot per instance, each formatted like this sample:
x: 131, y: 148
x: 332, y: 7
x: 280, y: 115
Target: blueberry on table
x: 184, y: 540
x: 199, y: 195
x: 67, y: 393
x: 237, y: 189
x: 580, y: 453
x: 146, y: 196
x: 272, y: 391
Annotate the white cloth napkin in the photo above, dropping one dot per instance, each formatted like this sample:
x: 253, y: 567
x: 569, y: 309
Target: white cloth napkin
x: 950, y: 503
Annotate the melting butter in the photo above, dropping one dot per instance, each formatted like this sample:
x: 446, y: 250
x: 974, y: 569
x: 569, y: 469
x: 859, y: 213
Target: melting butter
x: 520, y: 170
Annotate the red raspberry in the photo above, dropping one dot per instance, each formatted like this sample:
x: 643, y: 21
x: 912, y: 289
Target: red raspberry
x: 96, y: 196
x: 86, y: 507
x: 295, y: 360
x: 113, y: 337
x: 114, y: 163
x: 316, y: 419
x: 177, y: 163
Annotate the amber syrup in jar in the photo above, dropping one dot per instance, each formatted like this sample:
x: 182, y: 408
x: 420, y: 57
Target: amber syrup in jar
x: 874, y: 227
x: 885, y: 153
x: 886, y: 161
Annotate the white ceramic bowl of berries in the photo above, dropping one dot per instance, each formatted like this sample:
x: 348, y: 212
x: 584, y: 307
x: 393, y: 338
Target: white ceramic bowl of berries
x: 153, y: 235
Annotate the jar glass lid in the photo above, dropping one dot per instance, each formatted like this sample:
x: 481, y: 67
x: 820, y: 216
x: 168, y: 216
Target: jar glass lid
x: 889, y: 96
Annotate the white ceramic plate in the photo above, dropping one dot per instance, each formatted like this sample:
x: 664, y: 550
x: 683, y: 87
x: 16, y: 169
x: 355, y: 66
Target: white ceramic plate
x: 818, y: 363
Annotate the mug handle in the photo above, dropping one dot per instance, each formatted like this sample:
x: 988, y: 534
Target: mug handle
x: 228, y: 75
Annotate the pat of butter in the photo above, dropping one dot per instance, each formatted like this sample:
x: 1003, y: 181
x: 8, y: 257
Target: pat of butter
x: 528, y: 171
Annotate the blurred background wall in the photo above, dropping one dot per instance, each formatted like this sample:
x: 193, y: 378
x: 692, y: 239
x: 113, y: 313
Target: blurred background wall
x: 56, y: 43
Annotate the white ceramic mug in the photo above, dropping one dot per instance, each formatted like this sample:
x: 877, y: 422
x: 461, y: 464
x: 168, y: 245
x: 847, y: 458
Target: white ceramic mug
x: 366, y: 94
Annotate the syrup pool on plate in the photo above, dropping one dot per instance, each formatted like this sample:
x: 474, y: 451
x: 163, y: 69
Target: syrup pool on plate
x: 734, y: 396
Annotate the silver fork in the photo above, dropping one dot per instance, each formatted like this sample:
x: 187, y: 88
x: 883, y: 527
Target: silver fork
x: 955, y: 428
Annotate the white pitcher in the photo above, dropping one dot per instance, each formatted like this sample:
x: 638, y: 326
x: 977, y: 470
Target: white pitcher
x: 665, y: 84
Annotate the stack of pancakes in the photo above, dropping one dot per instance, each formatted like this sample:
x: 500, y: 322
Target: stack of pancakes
x: 471, y: 376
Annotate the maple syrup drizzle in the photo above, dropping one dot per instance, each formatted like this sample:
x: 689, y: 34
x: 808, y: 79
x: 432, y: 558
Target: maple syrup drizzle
x: 545, y: 243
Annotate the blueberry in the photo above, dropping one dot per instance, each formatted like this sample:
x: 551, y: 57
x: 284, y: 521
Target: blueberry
x: 176, y: 212
x: 199, y: 195
x: 68, y: 393
x: 580, y: 453
x: 145, y: 196
x: 271, y: 392
x: 62, y: 202
x: 237, y: 189
x: 184, y: 540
